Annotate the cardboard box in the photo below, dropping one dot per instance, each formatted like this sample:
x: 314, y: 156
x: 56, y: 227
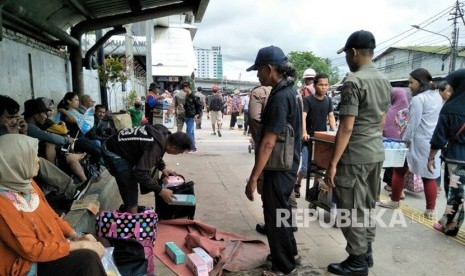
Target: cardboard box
x: 323, y: 148
x: 182, y: 199
x: 197, y: 265
x: 204, y: 256
x: 175, y: 253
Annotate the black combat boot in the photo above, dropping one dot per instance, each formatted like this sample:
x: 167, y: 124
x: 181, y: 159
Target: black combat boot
x: 353, y: 265
x: 369, y: 255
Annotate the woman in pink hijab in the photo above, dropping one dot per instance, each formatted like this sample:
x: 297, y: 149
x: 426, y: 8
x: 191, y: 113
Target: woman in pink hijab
x: 391, y: 130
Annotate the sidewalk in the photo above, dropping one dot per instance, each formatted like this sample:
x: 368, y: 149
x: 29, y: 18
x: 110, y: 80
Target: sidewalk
x: 219, y: 169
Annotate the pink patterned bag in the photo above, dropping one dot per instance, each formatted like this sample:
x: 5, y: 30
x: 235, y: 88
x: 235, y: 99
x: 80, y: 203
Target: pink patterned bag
x: 413, y: 182
x: 141, y: 227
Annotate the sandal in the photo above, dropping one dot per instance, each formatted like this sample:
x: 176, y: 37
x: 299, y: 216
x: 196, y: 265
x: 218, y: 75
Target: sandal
x: 297, y: 190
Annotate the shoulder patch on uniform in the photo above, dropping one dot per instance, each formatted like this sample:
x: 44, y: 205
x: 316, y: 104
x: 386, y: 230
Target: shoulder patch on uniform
x: 347, y: 91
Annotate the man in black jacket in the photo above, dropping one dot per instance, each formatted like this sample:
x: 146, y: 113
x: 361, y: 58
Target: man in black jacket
x: 132, y: 153
x: 192, y: 110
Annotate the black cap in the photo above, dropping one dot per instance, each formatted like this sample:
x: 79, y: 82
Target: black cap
x: 359, y: 40
x: 34, y: 106
x: 199, y: 88
x: 269, y: 55
x: 185, y: 84
x: 153, y: 86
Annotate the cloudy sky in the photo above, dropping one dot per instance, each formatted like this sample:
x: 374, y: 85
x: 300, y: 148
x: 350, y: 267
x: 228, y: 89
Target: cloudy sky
x: 241, y: 27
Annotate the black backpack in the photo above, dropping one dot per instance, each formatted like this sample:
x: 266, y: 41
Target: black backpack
x: 216, y: 103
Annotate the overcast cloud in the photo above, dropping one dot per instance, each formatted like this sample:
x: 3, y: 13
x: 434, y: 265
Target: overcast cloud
x: 241, y: 27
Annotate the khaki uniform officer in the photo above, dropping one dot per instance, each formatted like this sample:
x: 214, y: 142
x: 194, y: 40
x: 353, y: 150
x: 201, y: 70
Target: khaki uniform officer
x: 356, y: 164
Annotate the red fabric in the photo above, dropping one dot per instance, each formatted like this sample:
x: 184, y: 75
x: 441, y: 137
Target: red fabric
x: 230, y: 251
x: 431, y: 192
x: 397, y: 184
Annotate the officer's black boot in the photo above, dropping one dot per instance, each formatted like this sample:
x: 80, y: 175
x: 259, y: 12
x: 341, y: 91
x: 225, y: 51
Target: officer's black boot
x: 369, y: 255
x: 353, y: 265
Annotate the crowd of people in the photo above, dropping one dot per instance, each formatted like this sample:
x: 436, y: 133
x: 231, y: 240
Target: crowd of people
x: 63, y: 151
x: 370, y: 109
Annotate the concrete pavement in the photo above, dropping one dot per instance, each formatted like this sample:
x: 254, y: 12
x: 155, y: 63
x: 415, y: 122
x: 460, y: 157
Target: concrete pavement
x: 219, y: 169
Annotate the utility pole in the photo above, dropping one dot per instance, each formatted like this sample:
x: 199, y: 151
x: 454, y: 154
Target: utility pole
x: 455, y: 33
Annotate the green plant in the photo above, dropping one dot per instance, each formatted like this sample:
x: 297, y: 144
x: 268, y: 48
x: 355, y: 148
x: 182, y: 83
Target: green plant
x: 131, y: 98
x: 111, y: 73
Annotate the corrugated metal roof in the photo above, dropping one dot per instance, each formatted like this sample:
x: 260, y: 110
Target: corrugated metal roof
x: 440, y: 50
x: 44, y: 15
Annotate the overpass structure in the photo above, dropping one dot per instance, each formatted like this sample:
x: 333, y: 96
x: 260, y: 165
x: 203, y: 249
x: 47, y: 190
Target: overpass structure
x: 228, y: 86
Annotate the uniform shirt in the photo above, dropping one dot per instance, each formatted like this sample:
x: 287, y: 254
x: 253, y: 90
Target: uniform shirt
x: 366, y: 95
x: 281, y: 108
x: 317, y: 113
x: 143, y: 147
x: 258, y: 99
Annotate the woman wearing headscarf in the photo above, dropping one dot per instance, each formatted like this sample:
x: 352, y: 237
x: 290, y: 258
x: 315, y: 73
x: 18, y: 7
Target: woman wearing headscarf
x: 450, y: 131
x: 399, y: 101
x: 423, y: 117
x: 34, y: 240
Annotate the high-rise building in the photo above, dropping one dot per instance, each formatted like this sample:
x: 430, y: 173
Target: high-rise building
x: 209, y: 62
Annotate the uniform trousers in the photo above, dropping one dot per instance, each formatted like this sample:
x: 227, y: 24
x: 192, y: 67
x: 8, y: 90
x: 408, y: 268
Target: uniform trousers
x: 277, y: 188
x: 357, y: 187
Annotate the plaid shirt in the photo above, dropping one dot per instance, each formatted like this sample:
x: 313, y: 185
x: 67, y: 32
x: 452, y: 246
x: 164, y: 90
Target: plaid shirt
x: 236, y: 104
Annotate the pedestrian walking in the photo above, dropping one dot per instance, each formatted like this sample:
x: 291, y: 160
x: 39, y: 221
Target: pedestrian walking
x: 192, y: 110
x: 215, y: 109
x: 198, y: 121
x: 450, y: 134
x: 423, y: 116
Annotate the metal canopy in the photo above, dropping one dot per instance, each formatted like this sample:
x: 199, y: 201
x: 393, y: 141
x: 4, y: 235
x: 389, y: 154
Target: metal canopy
x: 50, y: 20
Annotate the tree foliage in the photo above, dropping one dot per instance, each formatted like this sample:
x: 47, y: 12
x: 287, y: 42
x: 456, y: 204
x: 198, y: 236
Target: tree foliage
x: 112, y: 72
x: 112, y: 75
x: 304, y: 60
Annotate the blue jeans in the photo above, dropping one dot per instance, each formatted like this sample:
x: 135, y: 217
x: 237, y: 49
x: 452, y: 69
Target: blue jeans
x: 190, y: 123
x: 304, y: 160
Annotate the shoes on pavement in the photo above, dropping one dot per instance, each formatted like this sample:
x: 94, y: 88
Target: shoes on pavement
x: 213, y: 133
x: 402, y: 195
x: 260, y: 228
x: 388, y: 188
x: 429, y: 213
x: 297, y: 258
x: 219, y: 133
x: 438, y: 227
x: 231, y: 128
x: 82, y: 189
x: 192, y: 151
x: 389, y: 204
x: 369, y: 255
x: 353, y: 265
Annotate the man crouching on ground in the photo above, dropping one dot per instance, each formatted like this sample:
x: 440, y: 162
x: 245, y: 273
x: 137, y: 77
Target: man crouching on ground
x: 132, y: 153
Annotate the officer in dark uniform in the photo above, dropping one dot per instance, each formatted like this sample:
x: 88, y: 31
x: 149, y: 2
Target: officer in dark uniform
x: 355, y: 167
x: 282, y: 107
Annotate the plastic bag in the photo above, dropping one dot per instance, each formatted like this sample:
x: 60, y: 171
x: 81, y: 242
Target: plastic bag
x: 109, y: 264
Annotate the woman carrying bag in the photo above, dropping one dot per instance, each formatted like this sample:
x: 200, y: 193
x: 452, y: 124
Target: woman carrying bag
x: 449, y: 135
